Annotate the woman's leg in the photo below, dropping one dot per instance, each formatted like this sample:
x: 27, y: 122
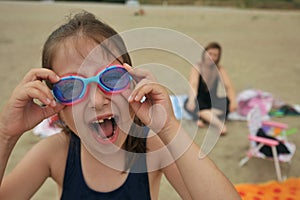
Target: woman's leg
x: 210, y: 117
x: 200, y: 123
x: 195, y: 114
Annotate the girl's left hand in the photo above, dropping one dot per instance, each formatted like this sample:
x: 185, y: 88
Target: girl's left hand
x: 151, y: 103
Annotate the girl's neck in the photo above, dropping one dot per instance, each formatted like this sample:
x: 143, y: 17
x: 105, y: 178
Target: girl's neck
x: 111, y: 161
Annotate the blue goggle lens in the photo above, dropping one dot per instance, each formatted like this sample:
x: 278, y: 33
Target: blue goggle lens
x: 68, y: 90
x: 114, y: 79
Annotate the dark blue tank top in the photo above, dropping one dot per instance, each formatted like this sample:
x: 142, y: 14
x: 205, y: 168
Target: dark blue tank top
x: 136, y: 186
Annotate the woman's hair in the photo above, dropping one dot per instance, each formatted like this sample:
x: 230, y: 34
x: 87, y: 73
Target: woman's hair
x: 85, y: 24
x: 213, y: 45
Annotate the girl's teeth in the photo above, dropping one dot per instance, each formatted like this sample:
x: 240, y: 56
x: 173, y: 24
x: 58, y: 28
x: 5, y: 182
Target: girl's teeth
x: 102, y: 120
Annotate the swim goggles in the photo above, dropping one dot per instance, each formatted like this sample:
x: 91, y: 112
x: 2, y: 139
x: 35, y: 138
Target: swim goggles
x: 71, y: 89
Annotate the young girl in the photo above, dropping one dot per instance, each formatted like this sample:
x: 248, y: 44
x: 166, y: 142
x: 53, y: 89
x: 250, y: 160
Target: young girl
x: 106, y: 108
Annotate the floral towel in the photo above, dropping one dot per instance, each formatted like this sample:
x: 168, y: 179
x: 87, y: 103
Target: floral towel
x: 273, y: 190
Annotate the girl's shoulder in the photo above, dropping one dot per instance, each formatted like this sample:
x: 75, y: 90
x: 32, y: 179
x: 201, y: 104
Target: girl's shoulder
x: 56, y: 142
x: 53, y: 152
x: 52, y: 148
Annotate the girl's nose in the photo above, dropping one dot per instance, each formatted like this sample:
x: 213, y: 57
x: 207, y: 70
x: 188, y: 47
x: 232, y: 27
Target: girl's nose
x: 97, y: 98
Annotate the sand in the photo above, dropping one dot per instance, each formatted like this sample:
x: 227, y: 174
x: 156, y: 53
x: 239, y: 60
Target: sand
x: 261, y: 51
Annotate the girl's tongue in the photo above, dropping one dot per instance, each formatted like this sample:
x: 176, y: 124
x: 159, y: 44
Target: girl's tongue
x: 107, y: 128
x: 104, y: 128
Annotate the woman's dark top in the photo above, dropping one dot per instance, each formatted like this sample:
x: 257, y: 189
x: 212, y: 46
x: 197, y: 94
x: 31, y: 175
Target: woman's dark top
x: 204, y: 96
x: 203, y: 100
x: 136, y: 186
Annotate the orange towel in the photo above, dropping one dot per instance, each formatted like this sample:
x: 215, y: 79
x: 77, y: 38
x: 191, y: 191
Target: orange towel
x: 287, y: 190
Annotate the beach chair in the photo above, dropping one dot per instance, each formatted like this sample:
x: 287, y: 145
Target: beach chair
x: 268, y: 140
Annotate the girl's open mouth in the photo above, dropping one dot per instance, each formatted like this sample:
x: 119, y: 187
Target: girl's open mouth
x: 105, y: 130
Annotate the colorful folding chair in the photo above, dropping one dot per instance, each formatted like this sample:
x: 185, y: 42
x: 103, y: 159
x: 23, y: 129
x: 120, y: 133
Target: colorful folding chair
x: 274, y: 140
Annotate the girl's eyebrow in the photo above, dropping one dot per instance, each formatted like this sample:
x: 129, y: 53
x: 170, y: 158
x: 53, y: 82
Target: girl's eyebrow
x: 111, y: 53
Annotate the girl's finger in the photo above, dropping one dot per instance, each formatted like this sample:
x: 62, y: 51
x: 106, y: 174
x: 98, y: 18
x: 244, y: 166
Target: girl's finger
x: 43, y: 87
x: 127, y: 66
x: 138, y: 87
x: 35, y: 90
x: 41, y: 74
x: 41, y: 96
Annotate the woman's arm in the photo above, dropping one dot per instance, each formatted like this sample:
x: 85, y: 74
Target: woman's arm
x: 193, y: 81
x: 231, y: 94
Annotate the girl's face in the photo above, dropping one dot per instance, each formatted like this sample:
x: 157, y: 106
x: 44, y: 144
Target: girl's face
x: 101, y: 120
x: 212, y: 55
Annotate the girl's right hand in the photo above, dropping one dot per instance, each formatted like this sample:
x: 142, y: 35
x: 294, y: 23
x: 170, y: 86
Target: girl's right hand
x: 20, y: 113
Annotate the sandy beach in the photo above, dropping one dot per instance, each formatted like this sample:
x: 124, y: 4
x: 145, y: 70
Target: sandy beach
x: 260, y: 51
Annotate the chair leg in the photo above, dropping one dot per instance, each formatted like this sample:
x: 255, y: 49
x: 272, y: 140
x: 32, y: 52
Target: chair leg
x: 276, y: 163
x: 244, y: 161
x: 250, y: 154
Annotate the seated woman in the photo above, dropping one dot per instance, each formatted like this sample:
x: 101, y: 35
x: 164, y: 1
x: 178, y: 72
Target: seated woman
x: 206, y: 79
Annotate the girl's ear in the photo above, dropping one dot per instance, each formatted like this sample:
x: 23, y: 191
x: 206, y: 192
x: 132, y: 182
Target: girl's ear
x: 61, y: 122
